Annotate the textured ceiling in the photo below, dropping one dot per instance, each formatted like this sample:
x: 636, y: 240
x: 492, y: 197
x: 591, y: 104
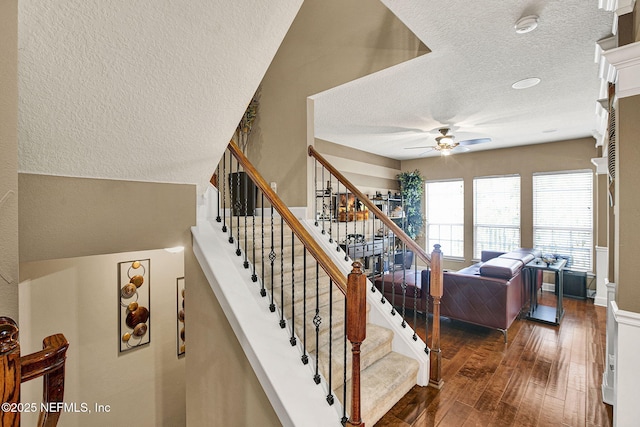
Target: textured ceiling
x: 139, y: 90
x: 465, y: 82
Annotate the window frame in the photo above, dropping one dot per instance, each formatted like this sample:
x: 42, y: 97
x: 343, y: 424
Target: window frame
x: 449, y: 243
x: 585, y: 263
x: 479, y: 246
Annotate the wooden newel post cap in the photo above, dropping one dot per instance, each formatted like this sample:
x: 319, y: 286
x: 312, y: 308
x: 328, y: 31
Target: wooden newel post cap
x: 8, y: 335
x: 436, y: 248
x: 357, y: 267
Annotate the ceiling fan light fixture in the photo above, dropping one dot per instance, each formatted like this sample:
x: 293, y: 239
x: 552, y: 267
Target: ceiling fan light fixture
x: 445, y: 151
x: 526, y: 83
x: 526, y: 24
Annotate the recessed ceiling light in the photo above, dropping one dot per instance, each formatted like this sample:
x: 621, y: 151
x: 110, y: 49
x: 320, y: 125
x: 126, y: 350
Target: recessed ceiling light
x: 526, y: 83
x: 526, y: 24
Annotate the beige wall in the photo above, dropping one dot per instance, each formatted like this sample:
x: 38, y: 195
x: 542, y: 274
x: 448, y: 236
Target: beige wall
x: 330, y: 42
x: 627, y: 220
x: 368, y: 172
x: 64, y: 217
x: 79, y: 298
x: 525, y: 161
x: 222, y: 389
x: 9, y: 158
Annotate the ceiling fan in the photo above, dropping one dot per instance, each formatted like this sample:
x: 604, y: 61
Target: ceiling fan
x: 446, y: 145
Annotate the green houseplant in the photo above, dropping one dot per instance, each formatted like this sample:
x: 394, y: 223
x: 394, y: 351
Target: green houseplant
x: 412, y: 188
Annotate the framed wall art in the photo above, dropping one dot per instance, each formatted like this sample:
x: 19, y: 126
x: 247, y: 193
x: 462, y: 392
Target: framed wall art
x: 134, y: 299
x: 180, y: 315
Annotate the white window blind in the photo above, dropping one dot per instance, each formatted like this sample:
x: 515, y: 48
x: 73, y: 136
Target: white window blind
x: 445, y: 216
x: 563, y: 216
x: 496, y: 216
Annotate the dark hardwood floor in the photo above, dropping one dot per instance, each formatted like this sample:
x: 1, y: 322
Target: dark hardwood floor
x: 544, y: 376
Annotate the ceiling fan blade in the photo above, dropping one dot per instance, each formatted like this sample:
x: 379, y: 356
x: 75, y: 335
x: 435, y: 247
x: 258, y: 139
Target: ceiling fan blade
x: 474, y: 141
x: 459, y: 149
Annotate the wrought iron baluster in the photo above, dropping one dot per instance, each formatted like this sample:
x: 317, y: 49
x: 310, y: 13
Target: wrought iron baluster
x: 385, y: 254
x: 231, y: 198
x: 218, y: 219
x: 272, y: 258
x: 334, y: 214
x: 404, y: 284
x: 315, y: 188
x: 317, y: 320
x: 305, y: 357
x: 246, y: 208
x: 330, y: 394
x: 238, y: 206
x: 282, y: 322
x: 292, y: 340
x: 393, y: 276
x: 254, y: 276
x: 346, y: 221
x: 377, y: 259
x: 324, y: 192
x: 330, y: 222
x: 417, y: 276
x: 224, y: 191
x: 263, y: 291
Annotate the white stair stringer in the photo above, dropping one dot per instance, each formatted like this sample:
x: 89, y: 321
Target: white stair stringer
x: 287, y: 383
x: 386, y: 374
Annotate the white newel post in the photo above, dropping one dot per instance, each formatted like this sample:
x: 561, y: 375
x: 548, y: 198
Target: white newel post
x: 602, y: 276
x: 608, y: 376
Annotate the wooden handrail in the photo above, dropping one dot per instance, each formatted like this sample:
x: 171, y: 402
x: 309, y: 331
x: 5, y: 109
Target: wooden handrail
x: 410, y: 243
x: 307, y: 240
x: 14, y: 370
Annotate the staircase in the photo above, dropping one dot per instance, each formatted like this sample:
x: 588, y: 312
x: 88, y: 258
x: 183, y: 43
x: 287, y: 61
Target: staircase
x: 386, y: 375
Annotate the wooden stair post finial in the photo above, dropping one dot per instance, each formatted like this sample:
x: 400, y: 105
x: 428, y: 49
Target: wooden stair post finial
x: 10, y: 371
x: 356, y: 333
x: 436, y: 290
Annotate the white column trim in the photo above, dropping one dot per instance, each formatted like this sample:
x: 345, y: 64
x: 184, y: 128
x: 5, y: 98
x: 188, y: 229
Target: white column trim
x: 624, y: 6
x: 624, y: 317
x: 601, y: 165
x: 625, y: 60
x: 602, y: 276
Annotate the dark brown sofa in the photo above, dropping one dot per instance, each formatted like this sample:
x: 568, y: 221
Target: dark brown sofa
x: 491, y: 293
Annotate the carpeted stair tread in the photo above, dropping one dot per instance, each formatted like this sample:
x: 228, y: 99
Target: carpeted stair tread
x: 375, y: 346
x: 382, y: 385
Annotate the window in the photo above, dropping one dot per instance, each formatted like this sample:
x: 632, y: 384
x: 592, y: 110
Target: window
x: 445, y: 216
x: 496, y: 214
x: 563, y: 216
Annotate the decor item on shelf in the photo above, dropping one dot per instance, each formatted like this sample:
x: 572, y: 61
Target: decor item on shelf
x: 411, y: 188
x: 328, y: 189
x: 243, y: 131
x: 180, y: 315
x: 397, y: 212
x: 549, y: 258
x: 134, y: 293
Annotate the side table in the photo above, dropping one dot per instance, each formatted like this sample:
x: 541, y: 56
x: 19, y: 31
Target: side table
x: 544, y: 313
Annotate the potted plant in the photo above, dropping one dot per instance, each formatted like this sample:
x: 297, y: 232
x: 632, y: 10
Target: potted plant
x: 412, y: 188
x: 239, y: 183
